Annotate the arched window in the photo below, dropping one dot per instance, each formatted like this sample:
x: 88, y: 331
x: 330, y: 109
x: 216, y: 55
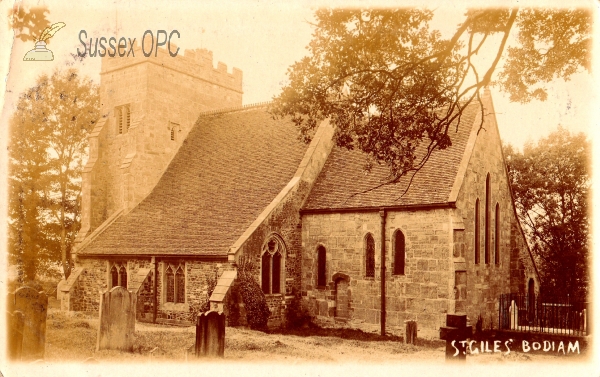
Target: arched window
x: 118, y: 274
x: 497, y: 235
x: 170, y: 284
x: 114, y: 276
x: 174, y: 283
x: 123, y: 277
x: 321, y: 263
x: 179, y: 286
x: 477, y: 238
x: 369, y: 256
x: 273, y: 252
x: 399, y: 253
x: 487, y: 220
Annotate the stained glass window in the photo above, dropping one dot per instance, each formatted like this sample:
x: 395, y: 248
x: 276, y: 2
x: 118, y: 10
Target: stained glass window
x: 370, y: 256
x: 180, y: 286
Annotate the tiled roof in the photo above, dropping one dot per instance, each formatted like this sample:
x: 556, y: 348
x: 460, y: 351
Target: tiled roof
x: 230, y: 167
x: 344, y: 183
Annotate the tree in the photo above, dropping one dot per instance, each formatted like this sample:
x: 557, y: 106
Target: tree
x: 551, y: 182
x: 48, y: 133
x: 393, y: 88
x: 33, y: 19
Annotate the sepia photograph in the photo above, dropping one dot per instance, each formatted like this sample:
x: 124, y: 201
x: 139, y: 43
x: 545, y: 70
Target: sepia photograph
x: 308, y: 188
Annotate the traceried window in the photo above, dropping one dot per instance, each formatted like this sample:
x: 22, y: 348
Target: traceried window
x: 399, y: 253
x: 487, y: 221
x: 118, y: 274
x: 174, y: 280
x: 497, y: 235
x: 321, y: 266
x: 273, y: 252
x: 369, y: 256
x: 123, y: 118
x: 477, y: 238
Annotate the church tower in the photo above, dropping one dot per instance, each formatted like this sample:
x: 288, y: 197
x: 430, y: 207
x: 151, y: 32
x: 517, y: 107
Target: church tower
x: 148, y: 106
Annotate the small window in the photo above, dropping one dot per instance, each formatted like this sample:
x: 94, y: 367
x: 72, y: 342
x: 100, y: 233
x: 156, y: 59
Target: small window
x: 123, y: 118
x: 369, y: 256
x: 477, y: 238
x: 399, y: 253
x: 174, y: 129
x: 321, y: 266
x: 170, y: 283
x: 497, y: 235
x: 114, y: 276
x: 174, y: 284
x: 179, y: 286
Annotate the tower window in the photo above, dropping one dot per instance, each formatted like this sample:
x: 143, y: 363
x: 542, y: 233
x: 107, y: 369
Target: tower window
x: 174, y: 129
x: 123, y: 118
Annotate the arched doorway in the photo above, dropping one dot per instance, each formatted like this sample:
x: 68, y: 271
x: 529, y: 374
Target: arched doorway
x: 342, y: 296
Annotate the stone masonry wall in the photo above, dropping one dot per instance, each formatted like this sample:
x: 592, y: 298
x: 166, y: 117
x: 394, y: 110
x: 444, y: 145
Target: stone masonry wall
x: 485, y: 282
x: 421, y: 294
x: 197, y: 273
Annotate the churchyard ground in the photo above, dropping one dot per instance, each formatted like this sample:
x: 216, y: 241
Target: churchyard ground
x: 73, y: 339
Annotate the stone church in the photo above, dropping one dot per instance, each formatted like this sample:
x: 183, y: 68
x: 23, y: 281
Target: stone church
x: 182, y: 181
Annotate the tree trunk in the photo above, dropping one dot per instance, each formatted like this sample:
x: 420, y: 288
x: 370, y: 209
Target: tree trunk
x: 63, y: 241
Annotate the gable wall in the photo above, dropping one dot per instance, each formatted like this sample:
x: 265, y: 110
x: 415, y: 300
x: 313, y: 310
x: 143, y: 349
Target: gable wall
x: 485, y: 282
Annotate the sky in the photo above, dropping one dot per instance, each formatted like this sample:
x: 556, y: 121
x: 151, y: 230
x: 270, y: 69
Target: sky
x: 262, y: 39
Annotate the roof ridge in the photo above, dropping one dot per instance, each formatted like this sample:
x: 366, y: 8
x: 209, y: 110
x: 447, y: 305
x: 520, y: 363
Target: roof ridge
x: 235, y: 108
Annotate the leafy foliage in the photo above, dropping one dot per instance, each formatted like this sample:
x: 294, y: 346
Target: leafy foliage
x: 396, y: 90
x: 33, y: 19
x: 211, y: 283
x: 257, y: 310
x: 48, y: 133
x: 551, y: 183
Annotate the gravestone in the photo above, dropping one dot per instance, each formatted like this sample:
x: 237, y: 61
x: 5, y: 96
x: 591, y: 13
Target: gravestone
x: 15, y: 322
x: 210, y: 334
x: 117, y: 320
x: 455, y: 333
x: 514, y: 316
x: 34, y: 307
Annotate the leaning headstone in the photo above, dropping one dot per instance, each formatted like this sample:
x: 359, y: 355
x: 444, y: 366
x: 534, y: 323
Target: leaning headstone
x: 15, y: 323
x: 34, y: 306
x: 210, y: 334
x: 117, y: 320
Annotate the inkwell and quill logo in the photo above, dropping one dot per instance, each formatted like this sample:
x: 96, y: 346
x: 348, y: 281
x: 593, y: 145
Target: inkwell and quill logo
x: 40, y: 52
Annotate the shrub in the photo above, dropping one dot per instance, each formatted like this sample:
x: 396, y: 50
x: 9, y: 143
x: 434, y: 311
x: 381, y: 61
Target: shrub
x: 297, y: 314
x: 257, y: 310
